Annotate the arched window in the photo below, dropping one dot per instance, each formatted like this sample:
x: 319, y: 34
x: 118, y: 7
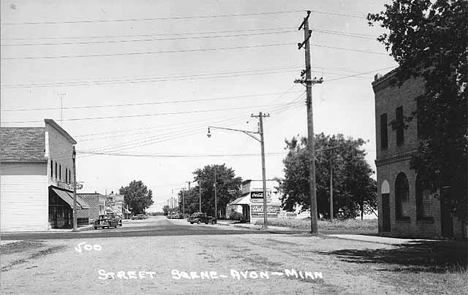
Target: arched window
x: 402, y: 205
x: 423, y: 201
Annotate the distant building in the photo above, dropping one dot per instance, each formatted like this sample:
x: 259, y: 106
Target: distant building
x: 36, y: 176
x: 406, y: 209
x: 250, y: 204
x: 97, y: 206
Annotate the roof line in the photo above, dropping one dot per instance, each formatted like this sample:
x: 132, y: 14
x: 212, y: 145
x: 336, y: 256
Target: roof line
x: 60, y: 130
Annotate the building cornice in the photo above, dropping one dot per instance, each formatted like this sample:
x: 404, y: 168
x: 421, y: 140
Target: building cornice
x: 399, y: 157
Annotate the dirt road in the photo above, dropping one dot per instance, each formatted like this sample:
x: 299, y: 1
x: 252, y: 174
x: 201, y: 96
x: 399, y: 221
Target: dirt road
x: 197, y: 264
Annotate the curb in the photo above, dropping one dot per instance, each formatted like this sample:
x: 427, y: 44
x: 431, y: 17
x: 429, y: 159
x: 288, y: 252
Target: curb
x: 84, y: 228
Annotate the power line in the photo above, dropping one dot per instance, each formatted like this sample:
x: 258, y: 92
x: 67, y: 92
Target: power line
x: 177, y: 155
x: 152, y: 19
x: 146, y: 40
x: 184, y: 51
x: 176, y: 18
x: 359, y: 74
x: 147, y: 52
x: 144, y: 115
x: 144, y: 103
x: 133, y: 80
x: 289, y: 31
x: 150, y: 35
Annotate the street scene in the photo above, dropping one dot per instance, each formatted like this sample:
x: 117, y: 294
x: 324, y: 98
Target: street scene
x: 234, y: 146
x: 170, y: 256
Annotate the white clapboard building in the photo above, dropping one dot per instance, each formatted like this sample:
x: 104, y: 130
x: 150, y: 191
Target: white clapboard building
x: 36, y: 176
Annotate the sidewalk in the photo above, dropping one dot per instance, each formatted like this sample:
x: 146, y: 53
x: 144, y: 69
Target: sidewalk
x: 53, y: 230
x: 254, y: 226
x: 355, y: 237
x: 377, y: 239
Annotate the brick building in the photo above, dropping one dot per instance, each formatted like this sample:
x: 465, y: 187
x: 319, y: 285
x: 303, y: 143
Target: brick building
x: 97, y: 206
x: 405, y: 208
x: 35, y: 178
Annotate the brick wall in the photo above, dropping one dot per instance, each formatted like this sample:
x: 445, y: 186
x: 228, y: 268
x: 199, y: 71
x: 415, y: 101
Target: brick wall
x: 396, y: 159
x: 94, y: 201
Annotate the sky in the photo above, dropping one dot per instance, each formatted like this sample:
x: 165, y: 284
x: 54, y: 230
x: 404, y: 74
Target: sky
x: 137, y: 83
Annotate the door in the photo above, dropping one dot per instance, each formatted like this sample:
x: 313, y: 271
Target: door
x: 446, y: 219
x: 386, y: 212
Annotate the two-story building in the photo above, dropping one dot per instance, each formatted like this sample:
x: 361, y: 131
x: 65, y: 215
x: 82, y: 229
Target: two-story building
x: 36, y: 176
x: 406, y: 208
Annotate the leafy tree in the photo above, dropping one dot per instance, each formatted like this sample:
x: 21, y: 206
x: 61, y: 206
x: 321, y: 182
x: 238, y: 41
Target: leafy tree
x: 429, y: 39
x: 227, y: 184
x: 166, y: 209
x: 354, y: 190
x: 137, y: 196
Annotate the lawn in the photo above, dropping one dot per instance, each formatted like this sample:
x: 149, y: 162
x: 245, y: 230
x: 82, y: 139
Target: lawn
x: 356, y: 226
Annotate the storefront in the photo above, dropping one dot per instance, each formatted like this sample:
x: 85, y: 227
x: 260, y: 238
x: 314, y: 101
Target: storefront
x: 61, y: 207
x: 250, y: 204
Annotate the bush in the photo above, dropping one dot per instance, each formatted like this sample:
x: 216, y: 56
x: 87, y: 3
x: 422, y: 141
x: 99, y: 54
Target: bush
x: 236, y: 216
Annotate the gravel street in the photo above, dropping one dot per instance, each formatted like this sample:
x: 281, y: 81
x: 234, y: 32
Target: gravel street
x: 175, y: 257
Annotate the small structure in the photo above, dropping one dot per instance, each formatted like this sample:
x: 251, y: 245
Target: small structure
x: 250, y: 204
x: 406, y: 209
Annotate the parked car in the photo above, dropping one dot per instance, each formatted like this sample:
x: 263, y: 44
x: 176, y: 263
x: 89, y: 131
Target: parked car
x: 199, y: 217
x: 139, y: 216
x: 108, y: 220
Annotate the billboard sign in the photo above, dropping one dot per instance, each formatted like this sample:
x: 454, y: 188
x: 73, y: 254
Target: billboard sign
x: 257, y: 197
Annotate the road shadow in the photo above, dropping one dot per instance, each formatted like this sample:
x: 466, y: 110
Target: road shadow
x: 423, y: 256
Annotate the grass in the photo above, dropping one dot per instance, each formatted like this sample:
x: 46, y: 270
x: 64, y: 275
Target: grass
x: 367, y: 226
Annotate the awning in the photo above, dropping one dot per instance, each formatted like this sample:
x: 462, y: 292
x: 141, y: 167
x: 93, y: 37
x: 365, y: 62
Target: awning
x: 68, y: 198
x: 241, y: 201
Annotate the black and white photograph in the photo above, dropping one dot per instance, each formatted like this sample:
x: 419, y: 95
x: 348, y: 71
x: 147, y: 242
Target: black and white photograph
x: 233, y: 147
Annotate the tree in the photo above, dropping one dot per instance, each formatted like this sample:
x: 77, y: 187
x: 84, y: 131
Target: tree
x: 354, y: 190
x: 166, y: 209
x: 429, y: 40
x: 227, y: 184
x: 137, y: 196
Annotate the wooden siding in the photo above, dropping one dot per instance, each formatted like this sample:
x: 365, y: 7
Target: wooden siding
x: 23, y: 202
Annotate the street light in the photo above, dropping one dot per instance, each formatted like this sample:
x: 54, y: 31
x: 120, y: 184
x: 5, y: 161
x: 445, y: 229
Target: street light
x: 262, y: 144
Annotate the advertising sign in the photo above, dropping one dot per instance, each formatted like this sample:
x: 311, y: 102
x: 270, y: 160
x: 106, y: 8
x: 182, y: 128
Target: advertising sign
x: 258, y: 209
x: 257, y: 196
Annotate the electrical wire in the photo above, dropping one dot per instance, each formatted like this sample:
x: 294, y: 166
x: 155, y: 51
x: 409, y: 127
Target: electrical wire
x: 169, y: 18
x: 150, y: 79
x: 145, y: 40
x: 143, y: 115
x: 149, y: 35
x: 143, y: 103
x: 185, y: 51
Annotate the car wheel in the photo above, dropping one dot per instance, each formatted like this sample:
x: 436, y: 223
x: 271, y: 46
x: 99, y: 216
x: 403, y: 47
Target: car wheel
x: 95, y: 228
x: 191, y: 222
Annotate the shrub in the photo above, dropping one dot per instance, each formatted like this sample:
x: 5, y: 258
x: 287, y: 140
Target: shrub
x: 236, y: 216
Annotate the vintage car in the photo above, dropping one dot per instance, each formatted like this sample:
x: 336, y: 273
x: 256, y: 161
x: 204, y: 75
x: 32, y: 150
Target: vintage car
x: 199, y: 217
x: 108, y: 220
x: 139, y: 216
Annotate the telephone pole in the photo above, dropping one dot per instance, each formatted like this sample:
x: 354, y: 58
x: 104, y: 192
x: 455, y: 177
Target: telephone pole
x: 216, y: 196
x: 262, y: 144
x: 331, y: 189
x: 199, y: 195
x: 75, y: 219
x: 188, y: 189
x: 308, y: 82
